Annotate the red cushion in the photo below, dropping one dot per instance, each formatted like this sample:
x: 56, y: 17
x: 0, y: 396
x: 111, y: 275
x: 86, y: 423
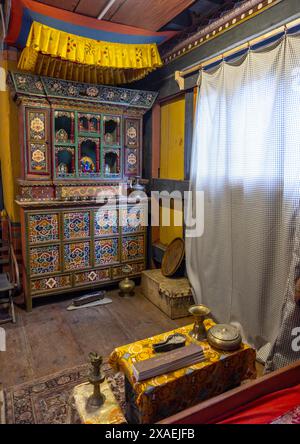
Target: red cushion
x: 265, y: 409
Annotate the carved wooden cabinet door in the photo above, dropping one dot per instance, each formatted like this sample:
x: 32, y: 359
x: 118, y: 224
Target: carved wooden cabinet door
x: 37, y: 143
x: 132, y: 146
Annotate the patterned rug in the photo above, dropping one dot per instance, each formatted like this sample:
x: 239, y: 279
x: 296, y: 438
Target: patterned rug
x: 46, y: 400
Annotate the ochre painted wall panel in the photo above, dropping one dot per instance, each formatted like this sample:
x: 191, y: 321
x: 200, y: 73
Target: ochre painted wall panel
x: 172, y: 139
x: 172, y: 157
x: 167, y: 234
x: 9, y: 145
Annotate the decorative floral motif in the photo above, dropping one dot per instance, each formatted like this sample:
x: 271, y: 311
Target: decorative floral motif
x: 110, y: 94
x: 56, y: 86
x: 43, y: 228
x: 124, y: 96
x: 72, y: 90
x: 92, y: 91
x: 132, y: 133
x: 39, y: 85
x: 131, y: 165
x: 131, y: 159
x: 37, y: 126
x: 100, y: 94
x: 38, y: 157
x: 106, y: 251
x: 89, y: 48
x: 22, y: 80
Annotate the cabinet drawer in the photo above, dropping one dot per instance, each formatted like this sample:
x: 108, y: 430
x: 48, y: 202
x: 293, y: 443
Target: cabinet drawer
x: 137, y: 268
x: 93, y: 276
x: 53, y: 283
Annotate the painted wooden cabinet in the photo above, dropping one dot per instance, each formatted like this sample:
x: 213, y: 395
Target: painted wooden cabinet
x: 77, y: 247
x: 81, y: 144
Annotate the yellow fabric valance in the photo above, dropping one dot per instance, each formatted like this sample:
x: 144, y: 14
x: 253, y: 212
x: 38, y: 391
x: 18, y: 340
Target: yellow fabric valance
x: 56, y: 53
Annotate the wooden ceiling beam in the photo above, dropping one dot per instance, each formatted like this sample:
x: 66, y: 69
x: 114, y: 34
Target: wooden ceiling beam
x: 113, y: 10
x: 91, y: 8
x: 144, y: 14
x: 147, y: 14
x: 69, y: 5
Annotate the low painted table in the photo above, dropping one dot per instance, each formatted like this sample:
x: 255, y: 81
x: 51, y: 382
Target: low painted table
x: 154, y: 399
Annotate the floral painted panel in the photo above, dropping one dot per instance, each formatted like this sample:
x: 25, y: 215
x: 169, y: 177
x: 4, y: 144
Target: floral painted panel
x: 133, y: 219
x: 106, y: 222
x: 131, y: 162
x: 43, y: 228
x: 37, y: 125
x: 76, y: 225
x: 133, y: 248
x: 77, y: 255
x: 44, y: 260
x: 132, y: 133
x: 38, y: 158
x: 106, y: 251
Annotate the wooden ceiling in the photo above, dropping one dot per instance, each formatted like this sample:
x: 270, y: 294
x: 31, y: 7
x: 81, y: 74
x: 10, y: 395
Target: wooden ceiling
x: 147, y: 14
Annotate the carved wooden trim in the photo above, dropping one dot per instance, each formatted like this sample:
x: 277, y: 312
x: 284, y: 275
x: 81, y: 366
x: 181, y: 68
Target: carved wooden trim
x: 233, y: 18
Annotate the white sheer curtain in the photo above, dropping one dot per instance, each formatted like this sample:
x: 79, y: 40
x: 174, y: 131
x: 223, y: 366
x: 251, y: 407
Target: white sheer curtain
x: 246, y: 159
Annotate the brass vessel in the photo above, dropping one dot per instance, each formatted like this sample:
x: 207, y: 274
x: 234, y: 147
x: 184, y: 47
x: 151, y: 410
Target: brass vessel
x: 224, y: 337
x: 127, y: 285
x: 199, y: 312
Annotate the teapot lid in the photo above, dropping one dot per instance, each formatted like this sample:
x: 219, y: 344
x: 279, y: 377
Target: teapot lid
x: 224, y: 332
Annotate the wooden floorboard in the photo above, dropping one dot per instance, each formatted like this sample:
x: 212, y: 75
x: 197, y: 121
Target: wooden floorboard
x: 51, y: 339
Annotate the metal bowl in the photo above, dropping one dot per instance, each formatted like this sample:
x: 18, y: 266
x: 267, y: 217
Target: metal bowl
x: 224, y: 337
